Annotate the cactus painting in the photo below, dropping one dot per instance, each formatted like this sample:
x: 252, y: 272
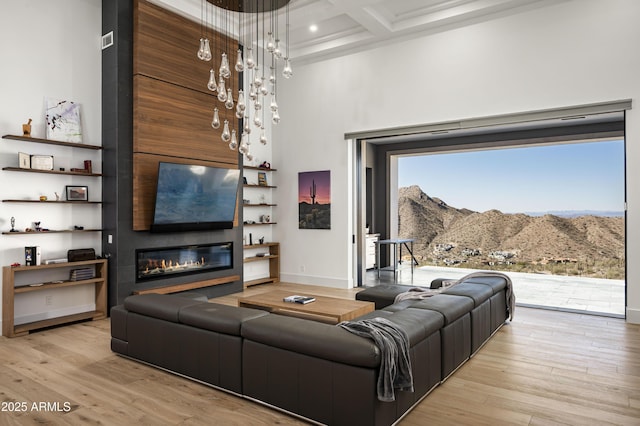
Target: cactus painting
x: 314, y: 200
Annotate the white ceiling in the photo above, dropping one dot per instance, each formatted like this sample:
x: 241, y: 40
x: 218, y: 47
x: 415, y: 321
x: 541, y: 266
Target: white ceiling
x: 346, y: 26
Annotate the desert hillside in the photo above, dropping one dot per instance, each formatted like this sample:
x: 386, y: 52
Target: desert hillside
x: 584, y: 245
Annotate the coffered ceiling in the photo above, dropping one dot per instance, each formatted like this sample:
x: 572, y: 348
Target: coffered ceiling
x: 346, y: 26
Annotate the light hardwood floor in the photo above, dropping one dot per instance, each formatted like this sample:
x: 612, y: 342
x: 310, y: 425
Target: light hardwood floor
x: 545, y: 368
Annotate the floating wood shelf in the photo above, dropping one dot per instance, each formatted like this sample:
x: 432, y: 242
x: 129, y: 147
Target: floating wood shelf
x: 262, y: 169
x: 248, y: 185
x: 52, y: 202
x: 51, y: 142
x: 50, y: 232
x: 53, y: 172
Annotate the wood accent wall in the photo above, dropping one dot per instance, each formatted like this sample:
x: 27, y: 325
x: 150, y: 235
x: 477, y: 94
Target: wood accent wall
x: 172, y: 106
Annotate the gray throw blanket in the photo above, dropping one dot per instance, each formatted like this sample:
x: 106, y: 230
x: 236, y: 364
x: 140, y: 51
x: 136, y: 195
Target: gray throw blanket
x: 422, y: 293
x: 395, y: 365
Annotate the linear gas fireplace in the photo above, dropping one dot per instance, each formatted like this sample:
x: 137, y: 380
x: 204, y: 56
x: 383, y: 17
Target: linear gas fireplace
x: 173, y: 261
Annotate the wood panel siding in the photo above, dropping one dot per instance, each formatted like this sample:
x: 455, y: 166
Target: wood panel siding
x: 174, y: 121
x: 172, y: 107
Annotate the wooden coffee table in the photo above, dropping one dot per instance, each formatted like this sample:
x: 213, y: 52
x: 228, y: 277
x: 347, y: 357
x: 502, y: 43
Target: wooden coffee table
x: 325, y: 309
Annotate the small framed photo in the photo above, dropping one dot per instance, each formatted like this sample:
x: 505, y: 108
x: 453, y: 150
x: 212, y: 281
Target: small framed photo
x: 24, y: 160
x: 262, y: 179
x: 77, y: 193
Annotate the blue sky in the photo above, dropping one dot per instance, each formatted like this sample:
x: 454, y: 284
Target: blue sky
x: 581, y: 176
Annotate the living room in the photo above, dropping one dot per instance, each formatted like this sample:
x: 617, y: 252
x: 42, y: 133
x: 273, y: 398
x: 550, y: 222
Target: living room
x: 582, y: 54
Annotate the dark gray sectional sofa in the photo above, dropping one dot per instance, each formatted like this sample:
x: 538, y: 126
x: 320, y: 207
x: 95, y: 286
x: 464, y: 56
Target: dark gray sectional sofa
x: 314, y: 370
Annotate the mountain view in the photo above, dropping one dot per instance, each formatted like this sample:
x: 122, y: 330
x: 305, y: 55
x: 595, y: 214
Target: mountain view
x: 583, y: 245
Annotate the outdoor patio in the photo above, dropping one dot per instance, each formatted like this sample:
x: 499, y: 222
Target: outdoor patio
x: 577, y: 294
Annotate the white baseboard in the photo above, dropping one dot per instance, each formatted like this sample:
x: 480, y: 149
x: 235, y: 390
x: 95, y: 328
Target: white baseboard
x: 633, y: 316
x: 315, y: 280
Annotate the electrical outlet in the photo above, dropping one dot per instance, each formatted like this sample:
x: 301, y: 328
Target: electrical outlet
x: 48, y: 300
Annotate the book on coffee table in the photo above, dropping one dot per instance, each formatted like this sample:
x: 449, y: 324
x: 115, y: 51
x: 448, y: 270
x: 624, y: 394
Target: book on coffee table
x: 299, y: 299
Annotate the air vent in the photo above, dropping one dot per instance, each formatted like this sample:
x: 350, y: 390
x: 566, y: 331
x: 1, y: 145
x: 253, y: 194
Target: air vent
x: 107, y: 40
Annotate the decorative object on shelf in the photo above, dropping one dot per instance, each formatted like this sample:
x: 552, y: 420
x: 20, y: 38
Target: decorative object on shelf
x: 262, y: 179
x: 43, y: 198
x: 261, y: 240
x: 265, y: 165
x: 57, y: 196
x: 87, y: 166
x: 262, y: 54
x: 314, y: 200
x: 32, y: 255
x: 246, y: 201
x: 24, y: 160
x: 244, y: 180
x: 13, y: 225
x: 42, y: 162
x: 77, y: 193
x: 265, y: 218
x: 78, y: 255
x: 63, y: 121
x: 26, y: 128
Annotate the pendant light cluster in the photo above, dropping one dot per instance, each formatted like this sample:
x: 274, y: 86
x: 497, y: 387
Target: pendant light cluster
x: 257, y: 26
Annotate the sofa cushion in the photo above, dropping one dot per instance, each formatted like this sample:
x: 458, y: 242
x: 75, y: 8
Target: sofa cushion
x: 496, y: 283
x: 479, y: 293
x: 450, y: 306
x: 217, y: 317
x: 382, y: 295
x: 417, y: 323
x: 161, y: 306
x: 312, y: 338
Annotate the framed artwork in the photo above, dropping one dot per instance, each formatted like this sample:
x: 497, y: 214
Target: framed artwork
x: 24, y: 160
x: 314, y: 200
x: 262, y: 179
x: 77, y: 193
x: 63, y: 121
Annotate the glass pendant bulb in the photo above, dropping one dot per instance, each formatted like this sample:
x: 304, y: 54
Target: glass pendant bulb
x: 257, y: 121
x: 200, y: 53
x: 274, y: 104
x: 271, y: 43
x: 229, y: 102
x: 257, y: 82
x: 241, y: 105
x: 239, y: 114
x: 249, y: 156
x: 277, y: 52
x: 257, y: 105
x: 239, y: 62
x: 212, y: 85
x: 215, y: 122
x: 224, y: 66
x: 263, y: 136
x: 287, y: 72
x: 249, y: 59
x: 263, y: 89
x: 275, y: 118
x: 233, y: 145
x: 252, y: 94
x: 244, y: 145
x: 272, y: 77
x: 247, y: 127
x: 207, y: 50
x: 226, y: 134
x: 222, y: 91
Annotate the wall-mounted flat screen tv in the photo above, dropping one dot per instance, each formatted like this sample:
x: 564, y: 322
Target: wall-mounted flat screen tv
x: 193, y: 197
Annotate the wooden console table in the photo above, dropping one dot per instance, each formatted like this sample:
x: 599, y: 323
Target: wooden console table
x: 10, y: 291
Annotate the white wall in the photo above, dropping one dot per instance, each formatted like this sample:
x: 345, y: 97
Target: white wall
x: 572, y: 53
x: 48, y: 49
